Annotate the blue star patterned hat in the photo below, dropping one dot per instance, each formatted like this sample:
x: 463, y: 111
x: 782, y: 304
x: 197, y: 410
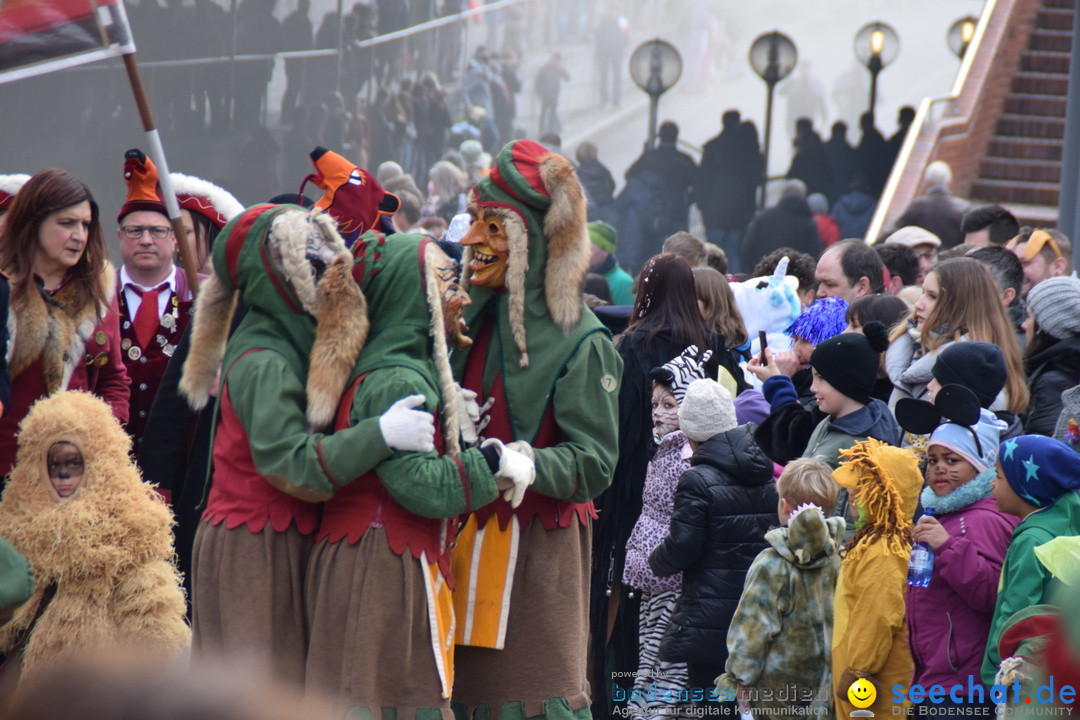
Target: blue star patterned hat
x: 1039, y: 469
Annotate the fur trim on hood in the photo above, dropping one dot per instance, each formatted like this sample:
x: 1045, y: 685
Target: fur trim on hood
x: 106, y: 551
x: 542, y: 189
x: 56, y: 332
x: 265, y: 257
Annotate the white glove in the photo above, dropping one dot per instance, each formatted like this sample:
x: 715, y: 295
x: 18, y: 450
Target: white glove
x: 406, y: 429
x: 472, y: 417
x: 516, y: 472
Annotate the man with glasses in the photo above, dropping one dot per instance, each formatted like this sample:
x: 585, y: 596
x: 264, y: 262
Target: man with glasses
x: 155, y: 305
x: 1043, y: 254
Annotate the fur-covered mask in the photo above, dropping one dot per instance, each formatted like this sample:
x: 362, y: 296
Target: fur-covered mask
x: 302, y: 245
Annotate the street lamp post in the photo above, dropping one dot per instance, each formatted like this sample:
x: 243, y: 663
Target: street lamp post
x: 772, y: 56
x: 876, y: 45
x: 960, y: 35
x: 655, y: 66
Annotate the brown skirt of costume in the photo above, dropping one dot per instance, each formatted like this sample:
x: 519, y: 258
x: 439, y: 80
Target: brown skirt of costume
x: 370, y: 631
x: 547, y: 632
x: 247, y: 597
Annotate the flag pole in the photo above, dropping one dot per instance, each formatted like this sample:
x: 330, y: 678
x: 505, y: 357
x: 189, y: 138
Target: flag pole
x: 157, y: 153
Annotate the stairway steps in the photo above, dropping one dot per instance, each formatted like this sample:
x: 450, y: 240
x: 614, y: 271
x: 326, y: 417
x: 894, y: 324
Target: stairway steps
x: 1025, y: 148
x: 1053, y: 18
x: 1037, y: 105
x: 1050, y: 41
x: 1040, y: 83
x: 1045, y: 62
x: 1030, y: 127
x: 1020, y: 169
x: 1003, y: 191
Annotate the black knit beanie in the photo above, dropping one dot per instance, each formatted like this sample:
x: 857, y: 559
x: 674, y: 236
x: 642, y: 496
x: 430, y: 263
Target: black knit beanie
x: 849, y: 362
x: 978, y: 366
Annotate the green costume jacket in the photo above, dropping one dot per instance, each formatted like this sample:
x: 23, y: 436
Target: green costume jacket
x: 1024, y: 580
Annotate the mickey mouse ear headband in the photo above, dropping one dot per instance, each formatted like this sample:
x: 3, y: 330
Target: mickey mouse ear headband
x: 953, y: 404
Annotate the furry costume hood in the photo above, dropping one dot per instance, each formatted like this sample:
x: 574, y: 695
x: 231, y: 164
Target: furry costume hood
x: 407, y: 328
x: 541, y: 321
x: 56, y: 332
x: 542, y: 204
x: 106, y: 550
x: 269, y: 255
x: 886, y: 481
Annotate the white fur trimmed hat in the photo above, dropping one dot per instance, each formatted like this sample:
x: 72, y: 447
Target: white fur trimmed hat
x: 9, y: 186
x: 205, y: 198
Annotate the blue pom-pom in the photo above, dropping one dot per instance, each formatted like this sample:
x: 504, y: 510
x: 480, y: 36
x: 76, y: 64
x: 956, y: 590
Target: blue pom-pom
x: 820, y: 321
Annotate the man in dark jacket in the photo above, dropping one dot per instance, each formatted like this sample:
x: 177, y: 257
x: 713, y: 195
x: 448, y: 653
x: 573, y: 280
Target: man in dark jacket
x: 938, y: 211
x: 724, y: 505
x: 788, y: 223
x: 731, y: 170
x: 655, y: 202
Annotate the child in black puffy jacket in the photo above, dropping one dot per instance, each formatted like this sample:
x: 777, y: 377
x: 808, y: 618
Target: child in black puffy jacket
x: 724, y: 505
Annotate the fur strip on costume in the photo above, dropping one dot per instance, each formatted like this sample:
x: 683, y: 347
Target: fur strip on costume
x: 54, y: 331
x: 567, y: 241
x: 210, y: 325
x: 341, y: 314
x: 441, y: 356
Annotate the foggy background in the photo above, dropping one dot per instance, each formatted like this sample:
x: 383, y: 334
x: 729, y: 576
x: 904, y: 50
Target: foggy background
x: 84, y: 119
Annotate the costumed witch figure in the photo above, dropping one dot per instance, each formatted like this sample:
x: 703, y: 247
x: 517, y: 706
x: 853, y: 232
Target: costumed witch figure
x: 282, y: 376
x: 379, y: 586
x: 522, y: 592
x: 99, y: 540
x: 378, y: 592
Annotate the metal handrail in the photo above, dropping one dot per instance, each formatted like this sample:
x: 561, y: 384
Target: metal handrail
x: 881, y: 212
x: 330, y: 52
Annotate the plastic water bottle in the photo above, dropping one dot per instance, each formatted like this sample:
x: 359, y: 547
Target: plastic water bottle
x: 921, y: 566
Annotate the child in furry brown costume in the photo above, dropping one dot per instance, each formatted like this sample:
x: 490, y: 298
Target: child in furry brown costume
x: 98, y: 537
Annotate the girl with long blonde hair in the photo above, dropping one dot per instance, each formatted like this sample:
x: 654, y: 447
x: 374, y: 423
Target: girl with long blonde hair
x: 959, y: 302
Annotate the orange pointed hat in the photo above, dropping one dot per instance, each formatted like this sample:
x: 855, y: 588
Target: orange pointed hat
x: 141, y: 176
x: 351, y: 194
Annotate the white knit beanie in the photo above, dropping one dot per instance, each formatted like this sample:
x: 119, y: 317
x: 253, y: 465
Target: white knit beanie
x: 707, y: 410
x: 1055, y: 303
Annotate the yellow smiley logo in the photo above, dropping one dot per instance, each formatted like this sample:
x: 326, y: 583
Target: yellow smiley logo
x: 862, y: 693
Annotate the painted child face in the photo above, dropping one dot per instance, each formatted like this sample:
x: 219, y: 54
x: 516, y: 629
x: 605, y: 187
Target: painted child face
x: 491, y: 250
x: 829, y: 399
x: 65, y: 464
x: 665, y: 411
x: 946, y: 470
